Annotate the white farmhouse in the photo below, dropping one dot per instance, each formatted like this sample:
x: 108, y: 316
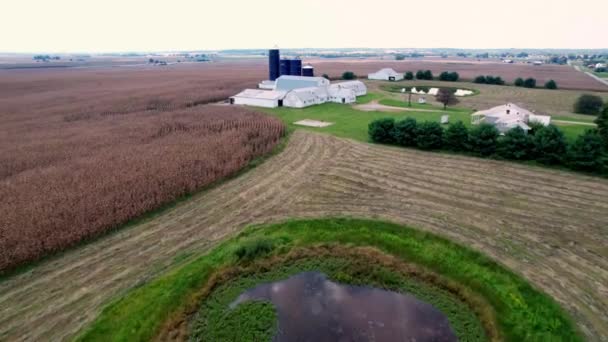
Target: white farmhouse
x: 509, y: 116
x: 386, y: 74
x: 259, y: 98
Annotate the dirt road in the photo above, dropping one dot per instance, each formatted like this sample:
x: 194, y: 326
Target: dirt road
x: 549, y: 226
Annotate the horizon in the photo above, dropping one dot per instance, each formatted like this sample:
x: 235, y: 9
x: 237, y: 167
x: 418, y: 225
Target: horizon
x: 69, y: 26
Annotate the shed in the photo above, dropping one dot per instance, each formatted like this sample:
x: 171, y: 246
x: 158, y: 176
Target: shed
x: 386, y: 74
x: 286, y: 83
x: 357, y: 86
x: 259, y: 98
x: 341, y: 95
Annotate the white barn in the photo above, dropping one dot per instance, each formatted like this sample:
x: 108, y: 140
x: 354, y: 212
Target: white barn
x: 259, y: 98
x: 304, y: 97
x: 342, y: 95
x: 357, y: 86
x: 386, y: 74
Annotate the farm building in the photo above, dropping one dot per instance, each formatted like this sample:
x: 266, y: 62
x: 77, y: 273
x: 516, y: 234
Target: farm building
x: 341, y: 95
x: 386, y: 74
x: 357, y: 86
x: 259, y: 98
x: 286, y: 83
x: 304, y: 97
x: 508, y: 116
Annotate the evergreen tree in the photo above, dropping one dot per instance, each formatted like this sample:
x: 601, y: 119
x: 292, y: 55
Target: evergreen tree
x: 586, y: 153
x: 429, y: 135
x: 456, y: 137
x: 602, y: 126
x: 516, y: 144
x: 519, y: 82
x: 409, y: 75
x: 550, y: 145
x: 381, y: 130
x: 483, y: 139
x: 404, y: 132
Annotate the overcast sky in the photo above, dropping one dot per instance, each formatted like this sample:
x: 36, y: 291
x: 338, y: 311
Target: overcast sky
x: 134, y: 25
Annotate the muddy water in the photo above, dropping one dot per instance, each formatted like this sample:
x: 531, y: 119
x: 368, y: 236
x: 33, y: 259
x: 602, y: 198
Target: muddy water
x: 312, y: 308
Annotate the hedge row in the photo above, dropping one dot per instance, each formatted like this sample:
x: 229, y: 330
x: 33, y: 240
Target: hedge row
x: 547, y: 145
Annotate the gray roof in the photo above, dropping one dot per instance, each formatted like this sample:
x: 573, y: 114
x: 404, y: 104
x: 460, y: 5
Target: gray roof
x: 295, y: 82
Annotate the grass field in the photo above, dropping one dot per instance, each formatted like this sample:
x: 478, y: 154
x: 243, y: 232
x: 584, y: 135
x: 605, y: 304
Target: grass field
x: 513, y: 309
x: 548, y: 226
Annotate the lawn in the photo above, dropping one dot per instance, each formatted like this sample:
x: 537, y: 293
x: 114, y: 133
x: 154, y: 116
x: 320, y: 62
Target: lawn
x: 349, y: 122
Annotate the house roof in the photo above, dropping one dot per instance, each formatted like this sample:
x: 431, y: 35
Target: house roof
x: 293, y: 82
x: 309, y: 93
x: 387, y: 71
x: 261, y: 94
x: 500, y: 111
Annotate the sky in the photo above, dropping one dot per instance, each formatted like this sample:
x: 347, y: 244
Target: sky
x: 181, y: 25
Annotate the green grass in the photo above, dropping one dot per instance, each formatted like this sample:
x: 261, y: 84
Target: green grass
x: 367, y: 98
x: 523, y: 312
x: 216, y: 322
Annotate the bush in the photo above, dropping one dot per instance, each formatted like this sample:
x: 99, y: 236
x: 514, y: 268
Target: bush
x: 349, y: 75
x: 551, y: 84
x: 252, y: 249
x: 586, y: 153
x: 456, y: 137
x: 588, y: 104
x: 519, y: 82
x: 530, y: 83
x: 404, y: 132
x: 550, y: 145
x: 429, y: 135
x: 516, y: 144
x: 483, y: 139
x: 409, y: 75
x: 449, y: 76
x: 480, y: 79
x: 381, y: 130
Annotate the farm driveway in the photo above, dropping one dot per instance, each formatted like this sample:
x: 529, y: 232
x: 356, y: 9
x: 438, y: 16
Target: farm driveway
x: 549, y: 226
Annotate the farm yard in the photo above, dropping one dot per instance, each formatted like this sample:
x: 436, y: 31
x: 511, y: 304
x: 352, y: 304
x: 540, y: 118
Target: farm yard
x: 97, y: 148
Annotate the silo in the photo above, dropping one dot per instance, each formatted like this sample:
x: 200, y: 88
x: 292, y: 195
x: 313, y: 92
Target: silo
x: 295, y: 67
x: 273, y: 64
x: 285, y: 66
x: 308, y: 71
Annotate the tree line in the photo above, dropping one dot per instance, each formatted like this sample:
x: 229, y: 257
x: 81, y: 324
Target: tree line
x: 544, y: 144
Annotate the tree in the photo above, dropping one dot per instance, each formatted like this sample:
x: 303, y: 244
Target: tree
x: 490, y: 79
x: 586, y: 152
x: 480, y: 79
x: 325, y: 76
x: 550, y: 146
x: 454, y: 76
x: 588, y: 104
x: 349, y: 75
x: 404, y: 132
x: 456, y: 137
x: 499, y: 81
x: 516, y: 144
x: 519, y: 82
x: 446, y: 97
x: 483, y: 139
x: 151, y: 60
x: 602, y: 126
x: 381, y: 130
x: 444, y: 76
x: 409, y: 75
x: 530, y: 83
x: 429, y: 135
x: 420, y: 75
x: 428, y: 75
x: 551, y: 84
x: 399, y: 56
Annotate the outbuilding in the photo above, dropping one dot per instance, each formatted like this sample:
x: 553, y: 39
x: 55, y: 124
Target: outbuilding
x: 304, y: 97
x: 287, y: 83
x: 357, y: 86
x: 386, y: 74
x: 339, y: 94
x: 259, y: 98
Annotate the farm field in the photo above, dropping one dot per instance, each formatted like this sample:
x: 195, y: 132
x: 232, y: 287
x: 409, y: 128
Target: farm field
x: 80, y: 156
x: 565, y: 76
x: 549, y: 226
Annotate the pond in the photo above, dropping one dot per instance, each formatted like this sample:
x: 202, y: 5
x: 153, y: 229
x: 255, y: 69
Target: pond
x: 311, y: 307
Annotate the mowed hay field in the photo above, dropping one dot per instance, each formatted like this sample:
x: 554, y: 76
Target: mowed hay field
x: 79, y: 156
x: 565, y: 76
x: 547, y: 225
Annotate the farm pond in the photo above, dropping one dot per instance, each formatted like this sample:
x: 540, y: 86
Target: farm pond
x: 310, y: 307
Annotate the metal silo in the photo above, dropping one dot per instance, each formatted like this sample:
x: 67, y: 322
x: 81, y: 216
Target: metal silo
x: 308, y: 71
x: 285, y: 66
x: 273, y: 64
x: 295, y: 67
